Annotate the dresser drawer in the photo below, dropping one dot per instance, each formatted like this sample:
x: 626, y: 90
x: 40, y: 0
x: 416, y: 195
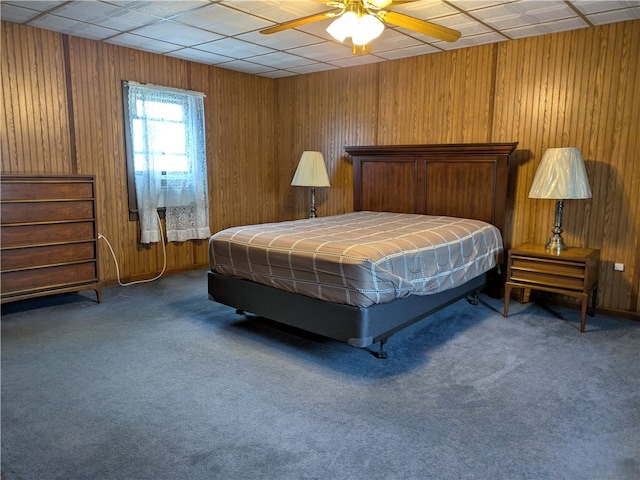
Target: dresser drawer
x: 29, y: 257
x: 24, y: 235
x: 47, y: 277
x: 39, y: 189
x: 31, y: 212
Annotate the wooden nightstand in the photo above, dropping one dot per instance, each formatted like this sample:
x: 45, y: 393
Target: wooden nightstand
x: 572, y: 272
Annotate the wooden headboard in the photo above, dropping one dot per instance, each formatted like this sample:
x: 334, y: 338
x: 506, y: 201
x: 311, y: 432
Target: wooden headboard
x: 459, y: 180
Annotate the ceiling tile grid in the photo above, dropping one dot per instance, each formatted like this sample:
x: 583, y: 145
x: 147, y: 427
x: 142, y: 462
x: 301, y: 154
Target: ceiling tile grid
x: 226, y: 33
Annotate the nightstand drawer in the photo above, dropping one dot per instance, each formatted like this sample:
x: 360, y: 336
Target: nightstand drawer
x: 552, y: 273
x: 548, y: 279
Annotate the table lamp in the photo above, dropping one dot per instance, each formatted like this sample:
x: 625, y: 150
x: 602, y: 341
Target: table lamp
x: 561, y: 175
x: 311, y: 172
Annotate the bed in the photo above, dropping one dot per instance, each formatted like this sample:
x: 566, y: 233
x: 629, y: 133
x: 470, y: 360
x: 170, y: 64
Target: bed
x: 362, y: 276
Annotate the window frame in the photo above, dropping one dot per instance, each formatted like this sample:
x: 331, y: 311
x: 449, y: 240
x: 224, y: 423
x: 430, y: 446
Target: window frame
x: 130, y: 155
x: 128, y: 152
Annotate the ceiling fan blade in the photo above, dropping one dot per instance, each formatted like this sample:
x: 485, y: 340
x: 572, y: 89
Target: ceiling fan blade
x: 421, y: 26
x: 380, y: 3
x: 300, y: 21
x: 386, y: 3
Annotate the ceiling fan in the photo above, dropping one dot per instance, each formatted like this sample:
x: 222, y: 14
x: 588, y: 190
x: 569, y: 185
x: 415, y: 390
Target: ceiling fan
x: 363, y: 20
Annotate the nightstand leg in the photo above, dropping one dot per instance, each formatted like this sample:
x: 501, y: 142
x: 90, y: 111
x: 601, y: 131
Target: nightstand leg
x: 507, y: 296
x: 583, y: 312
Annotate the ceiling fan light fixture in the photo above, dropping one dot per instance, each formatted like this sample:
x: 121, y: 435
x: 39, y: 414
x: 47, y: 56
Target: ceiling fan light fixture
x: 342, y: 26
x: 369, y: 28
x: 361, y: 28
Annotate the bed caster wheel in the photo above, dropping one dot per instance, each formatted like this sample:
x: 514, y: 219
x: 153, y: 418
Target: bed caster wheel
x: 381, y: 353
x: 473, y: 299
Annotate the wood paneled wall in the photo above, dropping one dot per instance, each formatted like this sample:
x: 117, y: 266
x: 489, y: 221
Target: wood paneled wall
x: 579, y: 88
x: 62, y: 113
x: 324, y: 112
x: 35, y: 124
x: 57, y: 121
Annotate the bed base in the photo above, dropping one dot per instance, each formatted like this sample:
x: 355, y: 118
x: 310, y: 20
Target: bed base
x: 358, y: 326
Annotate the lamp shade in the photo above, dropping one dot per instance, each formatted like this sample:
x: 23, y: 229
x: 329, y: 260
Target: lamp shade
x: 561, y: 175
x: 311, y: 171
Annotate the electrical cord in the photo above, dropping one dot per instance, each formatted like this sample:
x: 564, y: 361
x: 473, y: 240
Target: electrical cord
x: 164, y: 253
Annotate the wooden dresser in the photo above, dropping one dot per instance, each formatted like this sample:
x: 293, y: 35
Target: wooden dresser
x: 48, y: 236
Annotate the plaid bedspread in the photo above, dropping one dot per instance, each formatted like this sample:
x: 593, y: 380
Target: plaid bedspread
x: 359, y: 258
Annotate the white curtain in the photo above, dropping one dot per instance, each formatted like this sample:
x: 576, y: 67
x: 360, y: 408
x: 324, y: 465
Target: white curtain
x: 167, y: 131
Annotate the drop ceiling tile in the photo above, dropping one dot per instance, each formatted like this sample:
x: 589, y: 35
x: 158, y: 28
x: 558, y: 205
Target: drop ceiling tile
x: 199, y: 56
x: 142, y: 43
x: 56, y: 23
x: 94, y: 32
x: 246, y: 67
x: 613, y: 16
x: 125, y: 20
x: 550, y: 27
x: 281, y: 40
x: 281, y: 60
x: 167, y: 9
x: 392, y: 39
x: 39, y: 6
x: 323, y: 52
x: 471, y: 5
x: 596, y: 6
x: 90, y: 12
x: 171, y: 32
x: 543, y: 10
x: 278, y: 74
x: 221, y: 19
x: 278, y: 11
x: 523, y: 13
x: 16, y: 14
x: 232, y: 47
x: 425, y: 9
x: 413, y: 51
x: 316, y: 67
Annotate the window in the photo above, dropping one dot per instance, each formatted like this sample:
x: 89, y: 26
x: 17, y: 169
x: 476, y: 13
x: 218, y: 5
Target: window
x: 166, y: 160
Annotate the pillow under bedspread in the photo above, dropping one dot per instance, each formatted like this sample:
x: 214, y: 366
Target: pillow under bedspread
x: 359, y: 258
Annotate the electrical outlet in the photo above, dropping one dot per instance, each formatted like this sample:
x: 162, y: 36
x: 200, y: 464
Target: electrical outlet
x: 618, y: 267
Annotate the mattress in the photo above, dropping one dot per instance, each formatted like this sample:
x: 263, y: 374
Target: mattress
x: 359, y: 258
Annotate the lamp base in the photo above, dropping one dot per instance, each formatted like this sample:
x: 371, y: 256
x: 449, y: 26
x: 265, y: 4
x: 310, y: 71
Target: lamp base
x: 312, y: 211
x: 555, y: 244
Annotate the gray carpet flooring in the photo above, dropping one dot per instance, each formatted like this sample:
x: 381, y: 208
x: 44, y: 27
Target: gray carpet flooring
x: 158, y: 382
